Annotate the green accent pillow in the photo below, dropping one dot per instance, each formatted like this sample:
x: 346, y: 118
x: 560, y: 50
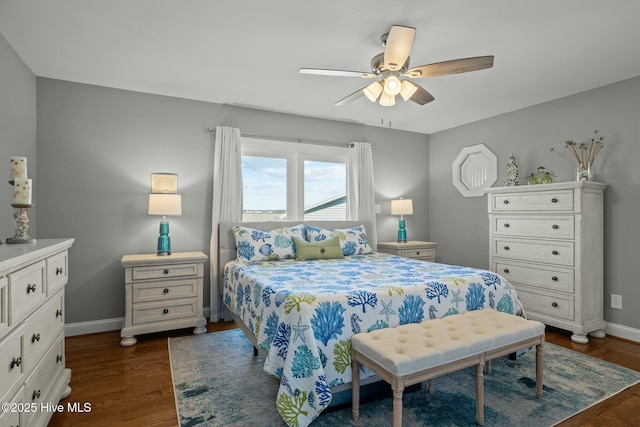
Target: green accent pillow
x: 326, y: 249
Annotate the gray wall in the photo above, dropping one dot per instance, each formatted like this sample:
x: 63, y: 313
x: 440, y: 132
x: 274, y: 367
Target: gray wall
x: 460, y: 224
x: 17, y: 131
x: 98, y: 146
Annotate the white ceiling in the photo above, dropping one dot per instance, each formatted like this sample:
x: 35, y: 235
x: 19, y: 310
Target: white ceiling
x: 248, y: 53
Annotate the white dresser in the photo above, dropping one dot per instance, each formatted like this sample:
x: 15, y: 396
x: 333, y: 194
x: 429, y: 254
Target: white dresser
x: 163, y: 293
x: 33, y: 376
x: 547, y: 240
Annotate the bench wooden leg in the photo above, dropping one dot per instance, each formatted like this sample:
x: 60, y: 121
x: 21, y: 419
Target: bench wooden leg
x: 480, y: 393
x: 431, y: 387
x: 398, y: 389
x: 539, y: 369
x: 355, y: 389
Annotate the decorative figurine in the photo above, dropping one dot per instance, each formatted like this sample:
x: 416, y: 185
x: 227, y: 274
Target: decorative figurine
x: 512, y: 172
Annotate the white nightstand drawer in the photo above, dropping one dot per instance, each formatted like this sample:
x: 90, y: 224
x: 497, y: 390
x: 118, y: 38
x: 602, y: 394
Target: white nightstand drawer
x: 561, y: 200
x: 11, y: 356
x: 164, y: 271
x: 553, y: 279
x: 551, y: 252
x: 560, y: 306
x: 558, y: 227
x: 162, y: 291
x: 418, y: 253
x: 159, y: 312
x: 57, y: 275
x: 26, y: 291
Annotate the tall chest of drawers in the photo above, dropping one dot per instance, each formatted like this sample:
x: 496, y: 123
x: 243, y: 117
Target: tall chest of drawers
x: 33, y: 376
x: 547, y: 240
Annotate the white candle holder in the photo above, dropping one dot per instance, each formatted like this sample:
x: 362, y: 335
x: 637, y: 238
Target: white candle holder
x: 21, y: 217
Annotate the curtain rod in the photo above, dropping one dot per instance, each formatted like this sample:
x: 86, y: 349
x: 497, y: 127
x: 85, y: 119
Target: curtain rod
x: 291, y: 139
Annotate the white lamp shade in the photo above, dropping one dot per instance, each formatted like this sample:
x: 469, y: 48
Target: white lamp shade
x: 165, y: 204
x: 373, y: 91
x: 402, y: 207
x: 407, y: 90
x: 392, y: 85
x: 387, y: 100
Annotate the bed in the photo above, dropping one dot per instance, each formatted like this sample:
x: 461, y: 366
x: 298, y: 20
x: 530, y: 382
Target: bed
x: 301, y: 314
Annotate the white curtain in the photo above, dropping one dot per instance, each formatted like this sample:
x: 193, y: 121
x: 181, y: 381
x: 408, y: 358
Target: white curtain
x: 227, y: 201
x: 361, y: 191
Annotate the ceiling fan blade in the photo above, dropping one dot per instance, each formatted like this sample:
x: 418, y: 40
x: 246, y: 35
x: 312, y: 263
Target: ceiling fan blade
x: 455, y: 66
x: 355, y: 95
x: 336, y: 73
x: 398, y: 46
x: 421, y: 96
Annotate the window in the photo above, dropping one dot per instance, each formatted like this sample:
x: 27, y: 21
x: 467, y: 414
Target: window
x: 293, y: 181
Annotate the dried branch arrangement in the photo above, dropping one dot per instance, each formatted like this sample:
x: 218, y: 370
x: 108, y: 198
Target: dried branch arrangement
x: 585, y: 153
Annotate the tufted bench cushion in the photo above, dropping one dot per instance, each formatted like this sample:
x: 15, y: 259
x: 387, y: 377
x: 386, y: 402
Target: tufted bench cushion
x: 413, y: 353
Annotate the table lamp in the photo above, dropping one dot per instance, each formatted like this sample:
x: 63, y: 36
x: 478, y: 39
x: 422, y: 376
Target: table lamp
x: 164, y: 204
x: 402, y: 207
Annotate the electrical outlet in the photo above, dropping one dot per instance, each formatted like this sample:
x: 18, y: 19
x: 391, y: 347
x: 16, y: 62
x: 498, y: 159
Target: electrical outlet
x: 377, y: 208
x: 616, y: 301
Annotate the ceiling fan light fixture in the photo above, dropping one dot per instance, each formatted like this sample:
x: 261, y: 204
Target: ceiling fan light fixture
x: 392, y: 85
x: 387, y: 100
x: 407, y: 90
x: 373, y: 91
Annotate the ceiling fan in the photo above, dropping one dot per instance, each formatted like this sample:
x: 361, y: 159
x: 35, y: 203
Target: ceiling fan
x: 392, y: 73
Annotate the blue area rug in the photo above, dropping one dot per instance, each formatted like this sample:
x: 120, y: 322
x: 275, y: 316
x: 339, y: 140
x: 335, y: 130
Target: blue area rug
x: 218, y: 382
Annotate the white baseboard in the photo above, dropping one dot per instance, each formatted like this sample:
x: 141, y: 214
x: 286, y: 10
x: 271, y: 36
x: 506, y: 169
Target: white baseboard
x: 103, y: 325
x: 621, y: 331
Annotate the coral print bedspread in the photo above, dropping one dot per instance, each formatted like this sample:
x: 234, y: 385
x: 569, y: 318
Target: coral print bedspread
x: 303, y: 313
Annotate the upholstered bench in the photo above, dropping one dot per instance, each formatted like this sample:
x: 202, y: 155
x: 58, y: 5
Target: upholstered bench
x: 413, y: 353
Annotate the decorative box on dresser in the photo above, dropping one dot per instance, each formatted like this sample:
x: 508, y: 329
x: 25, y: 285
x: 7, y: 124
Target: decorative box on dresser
x: 163, y: 293
x: 425, y: 251
x: 33, y: 376
x: 547, y: 240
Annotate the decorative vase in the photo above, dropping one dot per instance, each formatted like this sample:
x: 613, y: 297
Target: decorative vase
x: 584, y: 172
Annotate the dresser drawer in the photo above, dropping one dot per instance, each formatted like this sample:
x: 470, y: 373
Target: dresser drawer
x: 561, y: 200
x: 163, y: 271
x: 560, y: 306
x: 158, y: 311
x: 40, y: 381
x: 11, y: 356
x: 162, y: 291
x: 550, y: 252
x: 553, y: 279
x: 558, y: 227
x: 57, y: 276
x: 418, y: 253
x: 12, y: 418
x: 26, y: 291
x: 41, y: 329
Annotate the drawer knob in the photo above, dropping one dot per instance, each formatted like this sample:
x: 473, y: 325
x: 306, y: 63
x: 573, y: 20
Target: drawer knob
x: 554, y: 278
x: 506, y: 270
x: 34, y: 338
x: 554, y: 304
x: 506, y: 225
x: 505, y: 201
x: 555, y: 226
x: 554, y: 200
x: 31, y: 288
x: 418, y: 253
x: 165, y: 311
x: 59, y: 270
x: 506, y: 248
x: 35, y: 395
x: 165, y: 291
x: 15, y: 362
x: 58, y: 313
x: 555, y: 252
x: 59, y: 358
x: 166, y: 271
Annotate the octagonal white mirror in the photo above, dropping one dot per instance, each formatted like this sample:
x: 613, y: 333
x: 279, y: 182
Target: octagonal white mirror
x: 475, y: 169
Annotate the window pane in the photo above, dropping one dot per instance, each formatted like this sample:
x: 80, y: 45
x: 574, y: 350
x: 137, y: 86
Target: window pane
x: 264, y: 181
x: 325, y: 190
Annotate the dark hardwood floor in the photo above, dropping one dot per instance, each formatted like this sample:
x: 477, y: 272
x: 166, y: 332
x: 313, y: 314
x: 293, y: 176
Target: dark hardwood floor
x: 131, y: 386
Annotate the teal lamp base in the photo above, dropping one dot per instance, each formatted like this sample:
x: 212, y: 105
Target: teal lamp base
x: 164, y: 242
x: 402, y: 232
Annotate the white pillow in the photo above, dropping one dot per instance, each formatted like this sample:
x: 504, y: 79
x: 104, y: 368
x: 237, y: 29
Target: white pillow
x: 258, y: 245
x: 353, y: 241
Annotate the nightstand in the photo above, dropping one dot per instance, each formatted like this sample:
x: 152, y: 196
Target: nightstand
x: 425, y: 251
x: 162, y: 293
